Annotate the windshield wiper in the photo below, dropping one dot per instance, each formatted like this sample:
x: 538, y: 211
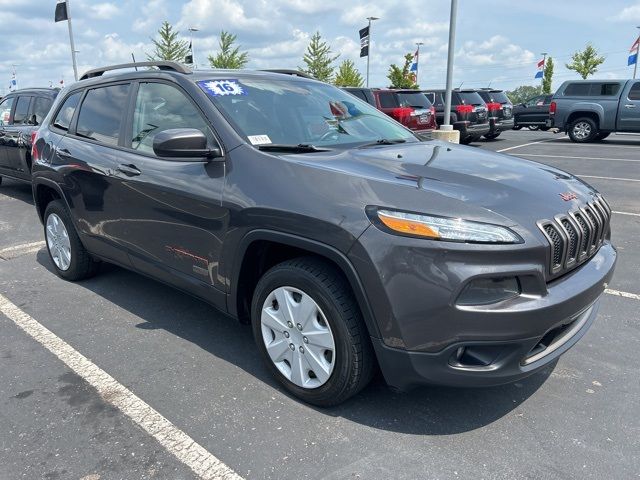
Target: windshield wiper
x: 283, y: 147
x: 384, y: 141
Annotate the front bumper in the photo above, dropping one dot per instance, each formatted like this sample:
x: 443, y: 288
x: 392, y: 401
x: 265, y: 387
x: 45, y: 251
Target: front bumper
x: 413, y: 287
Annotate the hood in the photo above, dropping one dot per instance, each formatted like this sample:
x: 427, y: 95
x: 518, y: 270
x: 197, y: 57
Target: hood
x: 520, y: 191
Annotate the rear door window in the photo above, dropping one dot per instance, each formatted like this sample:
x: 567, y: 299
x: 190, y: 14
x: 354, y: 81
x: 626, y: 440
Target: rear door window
x: 21, y: 115
x: 66, y: 111
x: 387, y: 100
x: 40, y: 108
x: 101, y: 113
x: 634, y: 93
x: 5, y: 110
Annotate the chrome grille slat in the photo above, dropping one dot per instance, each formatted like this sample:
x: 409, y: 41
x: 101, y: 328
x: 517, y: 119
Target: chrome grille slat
x: 576, y: 236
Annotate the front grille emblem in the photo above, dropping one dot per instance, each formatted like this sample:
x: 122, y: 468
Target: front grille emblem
x: 567, y: 196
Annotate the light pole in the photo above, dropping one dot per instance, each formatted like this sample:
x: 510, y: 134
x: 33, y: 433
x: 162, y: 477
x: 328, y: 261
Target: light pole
x: 635, y: 66
x: 418, y: 61
x: 371, y: 19
x: 193, y: 55
x: 544, y: 64
x: 446, y: 124
x: 73, y: 47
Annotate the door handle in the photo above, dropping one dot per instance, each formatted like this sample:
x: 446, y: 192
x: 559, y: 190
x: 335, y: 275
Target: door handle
x: 629, y: 105
x: 129, y: 170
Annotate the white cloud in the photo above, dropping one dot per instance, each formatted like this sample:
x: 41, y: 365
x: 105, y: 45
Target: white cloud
x: 103, y: 11
x: 230, y: 15
x: 154, y: 12
x: 628, y: 14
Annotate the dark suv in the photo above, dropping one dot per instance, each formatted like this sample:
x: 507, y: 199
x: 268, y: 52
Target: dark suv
x: 21, y: 113
x: 343, y: 239
x: 500, y: 111
x: 533, y: 113
x: 409, y: 107
x: 468, y: 113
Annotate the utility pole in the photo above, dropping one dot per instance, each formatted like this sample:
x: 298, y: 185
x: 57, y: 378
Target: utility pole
x: 193, y: 55
x: 73, y: 47
x: 418, y: 62
x: 369, y: 52
x: 544, y: 64
x: 635, y: 66
x: 446, y: 124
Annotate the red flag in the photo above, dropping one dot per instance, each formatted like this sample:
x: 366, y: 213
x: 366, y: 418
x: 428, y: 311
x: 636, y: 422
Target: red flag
x: 541, y: 63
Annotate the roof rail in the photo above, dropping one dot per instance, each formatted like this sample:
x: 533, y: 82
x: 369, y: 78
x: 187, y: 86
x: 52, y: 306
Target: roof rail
x: 284, y: 71
x: 161, y: 65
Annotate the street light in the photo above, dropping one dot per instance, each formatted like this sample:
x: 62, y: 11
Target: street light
x: 193, y: 55
x: 371, y: 19
x: 418, y: 60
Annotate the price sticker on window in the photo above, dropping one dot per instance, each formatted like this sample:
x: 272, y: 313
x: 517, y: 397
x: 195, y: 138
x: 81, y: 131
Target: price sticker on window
x: 219, y: 88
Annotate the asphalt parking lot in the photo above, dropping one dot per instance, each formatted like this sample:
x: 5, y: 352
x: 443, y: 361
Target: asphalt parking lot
x: 200, y: 371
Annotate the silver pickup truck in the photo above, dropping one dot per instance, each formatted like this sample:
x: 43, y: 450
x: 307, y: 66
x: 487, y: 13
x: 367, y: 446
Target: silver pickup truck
x: 590, y: 110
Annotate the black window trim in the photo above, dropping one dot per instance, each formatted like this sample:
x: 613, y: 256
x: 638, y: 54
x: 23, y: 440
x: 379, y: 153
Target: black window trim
x: 132, y: 105
x: 52, y: 126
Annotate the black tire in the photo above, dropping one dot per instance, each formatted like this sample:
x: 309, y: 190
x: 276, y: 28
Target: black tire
x: 583, y: 130
x: 492, y: 136
x: 517, y: 127
x: 0, y: 180
x: 601, y: 136
x: 533, y: 128
x: 544, y: 129
x: 82, y: 265
x: 354, y: 357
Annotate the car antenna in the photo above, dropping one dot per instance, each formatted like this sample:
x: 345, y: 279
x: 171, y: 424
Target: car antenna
x: 134, y: 61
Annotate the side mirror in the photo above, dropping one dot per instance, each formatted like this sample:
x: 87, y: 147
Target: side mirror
x: 184, y: 143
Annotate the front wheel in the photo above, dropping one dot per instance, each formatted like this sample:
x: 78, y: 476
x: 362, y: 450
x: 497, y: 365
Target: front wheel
x: 583, y: 130
x: 69, y: 257
x: 310, y: 332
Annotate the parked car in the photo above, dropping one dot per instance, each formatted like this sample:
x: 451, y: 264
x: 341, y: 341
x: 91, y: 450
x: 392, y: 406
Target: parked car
x: 500, y: 111
x: 21, y: 113
x: 590, y: 110
x: 409, y: 107
x: 468, y: 113
x: 344, y: 240
x: 533, y: 113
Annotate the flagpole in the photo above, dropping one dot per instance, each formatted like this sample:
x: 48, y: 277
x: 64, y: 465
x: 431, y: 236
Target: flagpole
x: 369, y: 47
x: 544, y: 64
x: 73, y: 47
x: 635, y: 66
x: 418, y: 61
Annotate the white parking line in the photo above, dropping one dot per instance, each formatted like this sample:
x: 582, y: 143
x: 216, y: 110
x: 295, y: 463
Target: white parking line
x: 608, y: 178
x: 578, y: 158
x: 626, y: 213
x: 19, y: 250
x: 174, y: 440
x: 618, y: 293
x: 526, y: 144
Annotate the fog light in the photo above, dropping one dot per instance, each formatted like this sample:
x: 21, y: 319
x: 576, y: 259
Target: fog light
x: 484, y: 291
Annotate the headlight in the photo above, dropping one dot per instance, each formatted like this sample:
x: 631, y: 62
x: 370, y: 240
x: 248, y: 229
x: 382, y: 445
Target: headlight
x: 443, y: 228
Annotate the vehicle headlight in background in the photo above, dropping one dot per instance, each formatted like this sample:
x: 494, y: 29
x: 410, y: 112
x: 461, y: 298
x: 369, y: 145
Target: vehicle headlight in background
x: 443, y: 228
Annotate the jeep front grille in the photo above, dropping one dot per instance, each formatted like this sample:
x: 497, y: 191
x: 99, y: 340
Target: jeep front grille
x: 576, y: 236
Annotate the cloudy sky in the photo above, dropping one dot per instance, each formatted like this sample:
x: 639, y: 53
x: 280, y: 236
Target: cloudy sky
x: 498, y: 41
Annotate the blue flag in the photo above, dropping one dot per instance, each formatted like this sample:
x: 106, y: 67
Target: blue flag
x: 633, y: 59
x: 539, y: 74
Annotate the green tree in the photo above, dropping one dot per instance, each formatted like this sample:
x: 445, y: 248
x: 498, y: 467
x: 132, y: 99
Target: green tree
x: 586, y: 62
x: 228, y: 56
x: 402, y: 77
x: 348, y: 75
x: 318, y: 59
x: 167, y: 45
x: 523, y: 92
x: 547, y: 79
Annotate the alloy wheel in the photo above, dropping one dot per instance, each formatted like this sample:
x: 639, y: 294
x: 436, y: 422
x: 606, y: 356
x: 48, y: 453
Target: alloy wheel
x: 582, y: 130
x: 58, y: 242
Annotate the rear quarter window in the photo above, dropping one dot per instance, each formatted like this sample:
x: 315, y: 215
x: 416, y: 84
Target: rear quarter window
x: 65, y: 112
x: 577, y: 90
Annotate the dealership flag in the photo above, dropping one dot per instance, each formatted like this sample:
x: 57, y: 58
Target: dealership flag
x: 633, y: 57
x: 414, y: 64
x: 61, y: 12
x: 364, y: 42
x: 540, y: 72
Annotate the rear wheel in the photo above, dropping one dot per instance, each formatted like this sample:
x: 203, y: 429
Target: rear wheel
x: 0, y: 180
x: 492, y: 136
x: 544, y: 129
x: 69, y: 257
x: 310, y: 332
x: 533, y: 128
x: 583, y: 130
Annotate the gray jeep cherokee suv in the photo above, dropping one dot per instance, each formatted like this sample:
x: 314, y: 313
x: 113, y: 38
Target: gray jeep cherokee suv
x: 346, y: 242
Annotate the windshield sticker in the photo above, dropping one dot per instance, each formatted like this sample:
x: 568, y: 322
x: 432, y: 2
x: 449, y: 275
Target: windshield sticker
x: 259, y: 139
x: 218, y: 88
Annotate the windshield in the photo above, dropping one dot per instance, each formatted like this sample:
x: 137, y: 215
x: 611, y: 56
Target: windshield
x: 415, y: 100
x: 471, y: 98
x: 293, y: 112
